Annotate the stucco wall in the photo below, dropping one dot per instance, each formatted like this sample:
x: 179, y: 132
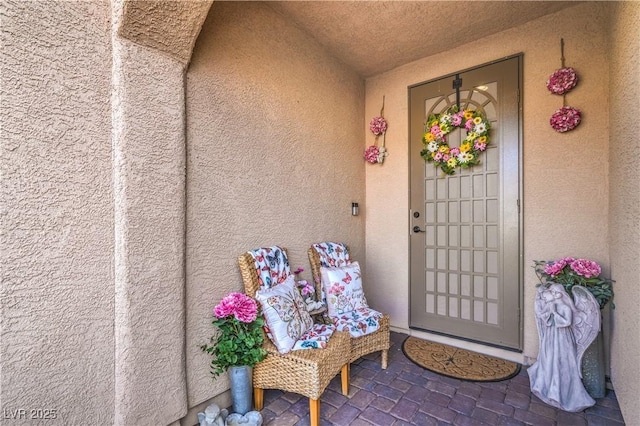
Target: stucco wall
x: 149, y: 177
x: 274, y: 145
x: 565, y: 175
x: 624, y: 205
x: 56, y: 298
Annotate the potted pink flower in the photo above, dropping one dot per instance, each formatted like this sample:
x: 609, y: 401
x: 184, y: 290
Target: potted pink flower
x: 238, y: 346
x: 569, y: 271
x: 239, y: 342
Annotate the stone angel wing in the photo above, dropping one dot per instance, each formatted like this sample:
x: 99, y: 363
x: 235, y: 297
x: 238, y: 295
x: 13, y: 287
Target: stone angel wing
x: 586, y: 319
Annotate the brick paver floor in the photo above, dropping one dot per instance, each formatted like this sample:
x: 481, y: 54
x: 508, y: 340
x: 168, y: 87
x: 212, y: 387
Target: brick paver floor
x: 405, y: 394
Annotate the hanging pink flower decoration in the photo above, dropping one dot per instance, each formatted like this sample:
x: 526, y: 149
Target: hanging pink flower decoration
x: 562, y: 80
x: 371, y: 154
x: 378, y: 125
x: 565, y: 119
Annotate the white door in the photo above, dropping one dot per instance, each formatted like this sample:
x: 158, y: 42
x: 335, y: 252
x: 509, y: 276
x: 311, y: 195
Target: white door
x: 466, y: 278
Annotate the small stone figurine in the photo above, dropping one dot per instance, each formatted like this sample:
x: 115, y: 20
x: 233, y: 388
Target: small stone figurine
x: 566, y: 328
x: 252, y: 418
x: 213, y: 416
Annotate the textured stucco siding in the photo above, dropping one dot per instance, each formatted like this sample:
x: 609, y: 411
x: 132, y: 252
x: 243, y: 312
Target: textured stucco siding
x: 624, y: 205
x: 148, y: 106
x: 56, y: 298
x: 149, y: 162
x: 565, y: 175
x: 168, y: 26
x: 274, y: 142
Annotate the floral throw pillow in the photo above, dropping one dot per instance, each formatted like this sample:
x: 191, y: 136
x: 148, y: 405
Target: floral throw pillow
x: 343, y: 289
x: 285, y: 313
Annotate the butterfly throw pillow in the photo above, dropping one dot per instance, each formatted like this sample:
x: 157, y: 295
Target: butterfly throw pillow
x: 285, y: 313
x: 343, y: 289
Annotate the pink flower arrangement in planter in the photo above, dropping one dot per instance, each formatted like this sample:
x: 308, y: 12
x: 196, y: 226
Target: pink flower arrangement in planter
x: 240, y: 339
x: 570, y: 271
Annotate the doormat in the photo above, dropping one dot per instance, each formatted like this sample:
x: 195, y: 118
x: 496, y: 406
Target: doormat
x: 458, y: 363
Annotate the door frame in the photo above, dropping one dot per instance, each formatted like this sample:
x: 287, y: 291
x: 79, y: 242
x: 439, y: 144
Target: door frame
x: 520, y: 57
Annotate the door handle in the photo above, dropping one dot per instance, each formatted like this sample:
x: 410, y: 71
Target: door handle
x: 417, y: 229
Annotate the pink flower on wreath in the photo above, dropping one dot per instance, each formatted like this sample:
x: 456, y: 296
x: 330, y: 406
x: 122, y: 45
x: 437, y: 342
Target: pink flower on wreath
x: 454, y: 151
x: 469, y: 125
x: 480, y: 146
x: 437, y: 157
x: 436, y: 131
x: 456, y: 119
x: 378, y: 125
x: 241, y: 306
x: 586, y: 268
x: 371, y: 154
x: 565, y: 119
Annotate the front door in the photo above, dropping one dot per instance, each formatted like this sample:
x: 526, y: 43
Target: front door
x: 466, y: 227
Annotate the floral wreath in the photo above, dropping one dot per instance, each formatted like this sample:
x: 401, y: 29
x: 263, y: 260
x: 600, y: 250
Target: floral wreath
x: 438, y: 126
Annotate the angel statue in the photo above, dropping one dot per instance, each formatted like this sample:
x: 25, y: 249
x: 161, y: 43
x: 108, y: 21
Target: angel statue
x: 566, y: 328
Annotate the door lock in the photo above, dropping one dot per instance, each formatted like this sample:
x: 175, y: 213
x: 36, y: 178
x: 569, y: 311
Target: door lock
x: 417, y: 229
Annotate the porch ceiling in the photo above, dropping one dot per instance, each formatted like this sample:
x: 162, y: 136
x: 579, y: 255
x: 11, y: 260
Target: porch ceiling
x: 376, y: 36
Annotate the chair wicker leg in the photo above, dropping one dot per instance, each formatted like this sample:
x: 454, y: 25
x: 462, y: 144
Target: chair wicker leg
x: 344, y: 375
x: 314, y: 411
x: 385, y: 358
x: 258, y: 398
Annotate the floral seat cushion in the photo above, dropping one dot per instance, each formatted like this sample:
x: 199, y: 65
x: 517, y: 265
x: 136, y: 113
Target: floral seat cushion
x: 359, y: 322
x: 316, y: 338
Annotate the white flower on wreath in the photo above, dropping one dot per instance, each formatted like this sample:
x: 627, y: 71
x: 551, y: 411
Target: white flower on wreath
x: 480, y: 128
x: 433, y: 146
x: 465, y: 157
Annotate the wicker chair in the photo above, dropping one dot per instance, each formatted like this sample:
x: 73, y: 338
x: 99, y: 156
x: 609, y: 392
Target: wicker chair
x: 305, y: 372
x: 379, y: 340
